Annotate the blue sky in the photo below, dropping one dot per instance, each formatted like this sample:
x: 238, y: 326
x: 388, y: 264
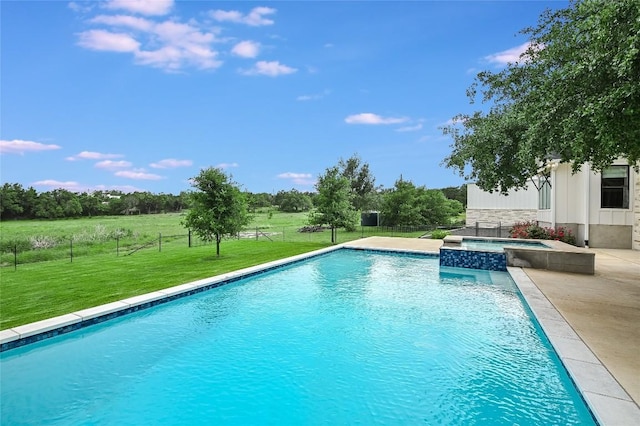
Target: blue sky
x: 139, y: 95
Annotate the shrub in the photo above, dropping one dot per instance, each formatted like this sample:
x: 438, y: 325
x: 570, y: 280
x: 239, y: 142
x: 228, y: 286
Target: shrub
x: 534, y: 231
x: 42, y: 242
x: 561, y: 234
x: 439, y: 234
x: 19, y: 244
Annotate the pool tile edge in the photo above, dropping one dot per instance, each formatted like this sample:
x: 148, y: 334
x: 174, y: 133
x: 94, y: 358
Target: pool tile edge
x: 47, y: 325
x: 606, y: 398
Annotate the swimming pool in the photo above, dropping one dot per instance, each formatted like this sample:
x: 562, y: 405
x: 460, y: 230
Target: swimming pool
x: 347, y: 337
x: 498, y: 245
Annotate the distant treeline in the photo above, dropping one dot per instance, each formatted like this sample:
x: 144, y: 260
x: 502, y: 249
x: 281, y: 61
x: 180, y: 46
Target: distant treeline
x: 16, y: 202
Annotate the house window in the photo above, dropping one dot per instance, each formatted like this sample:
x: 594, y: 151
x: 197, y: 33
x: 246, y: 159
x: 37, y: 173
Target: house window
x: 615, y: 188
x: 544, y: 195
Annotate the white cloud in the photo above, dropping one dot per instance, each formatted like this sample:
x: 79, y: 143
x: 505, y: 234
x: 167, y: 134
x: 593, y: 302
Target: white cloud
x: 246, y: 49
x: 454, y: 121
x: 369, y: 118
x: 55, y: 184
x: 144, y: 7
x: 18, y: 146
x: 171, y: 163
x: 90, y: 155
x: 169, y: 45
x: 78, y: 187
x: 271, y: 69
x: 313, y: 97
x: 180, y: 34
x: 107, y: 41
x: 112, y: 165
x: 131, y: 174
x: 80, y: 8
x: 226, y: 165
x: 508, y: 56
x: 292, y: 175
x: 123, y: 188
x: 410, y: 128
x: 140, y: 24
x: 298, y: 178
x: 183, y: 44
x: 255, y: 18
x: 172, y: 58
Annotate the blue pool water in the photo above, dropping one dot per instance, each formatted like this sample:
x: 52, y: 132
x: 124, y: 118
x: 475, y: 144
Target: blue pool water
x: 350, y: 337
x: 498, y: 245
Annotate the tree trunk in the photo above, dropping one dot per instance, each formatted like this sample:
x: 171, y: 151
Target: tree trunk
x: 218, y: 246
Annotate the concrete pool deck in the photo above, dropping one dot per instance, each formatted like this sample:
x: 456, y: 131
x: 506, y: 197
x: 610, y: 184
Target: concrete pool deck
x: 602, y: 312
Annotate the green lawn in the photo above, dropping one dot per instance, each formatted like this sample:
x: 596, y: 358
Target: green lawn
x: 48, y: 282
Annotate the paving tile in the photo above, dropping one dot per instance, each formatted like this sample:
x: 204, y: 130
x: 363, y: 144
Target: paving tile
x: 8, y: 335
x: 98, y: 311
x: 595, y: 378
x: 573, y: 349
x: 613, y: 411
x: 46, y: 325
x: 144, y: 298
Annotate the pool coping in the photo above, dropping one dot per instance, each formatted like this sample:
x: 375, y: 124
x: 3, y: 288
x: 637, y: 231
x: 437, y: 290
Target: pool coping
x: 609, y: 403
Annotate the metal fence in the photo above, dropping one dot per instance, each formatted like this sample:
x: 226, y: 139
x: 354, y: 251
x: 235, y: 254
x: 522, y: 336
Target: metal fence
x: 70, y: 249
x: 485, y: 229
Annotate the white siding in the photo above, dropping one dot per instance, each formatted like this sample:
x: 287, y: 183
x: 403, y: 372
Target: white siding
x: 524, y: 199
x: 569, y: 191
x: 636, y: 221
x: 600, y: 216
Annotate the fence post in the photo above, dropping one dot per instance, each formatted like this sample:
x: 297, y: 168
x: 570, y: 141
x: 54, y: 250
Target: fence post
x: 256, y: 233
x: 71, y: 248
x: 15, y: 257
x: 189, y: 238
x: 117, y: 246
x: 499, y: 229
x: 160, y: 241
x: 477, y: 228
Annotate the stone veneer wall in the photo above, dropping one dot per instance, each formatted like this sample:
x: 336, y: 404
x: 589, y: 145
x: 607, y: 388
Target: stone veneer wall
x: 636, y: 215
x: 504, y: 216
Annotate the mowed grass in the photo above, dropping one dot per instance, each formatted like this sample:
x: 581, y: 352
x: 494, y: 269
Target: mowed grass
x: 42, y: 290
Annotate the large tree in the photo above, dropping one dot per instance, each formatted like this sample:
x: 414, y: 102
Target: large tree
x: 218, y: 207
x: 333, y: 202
x: 574, y: 95
x: 410, y: 205
x: 293, y: 201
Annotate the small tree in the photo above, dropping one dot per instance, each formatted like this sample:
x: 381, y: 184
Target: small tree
x: 333, y: 202
x: 218, y: 207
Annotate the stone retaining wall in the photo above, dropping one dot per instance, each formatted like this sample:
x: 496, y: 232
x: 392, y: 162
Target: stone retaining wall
x: 504, y: 216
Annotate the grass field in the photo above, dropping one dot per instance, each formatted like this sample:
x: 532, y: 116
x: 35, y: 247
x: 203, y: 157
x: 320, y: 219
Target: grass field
x: 96, y: 273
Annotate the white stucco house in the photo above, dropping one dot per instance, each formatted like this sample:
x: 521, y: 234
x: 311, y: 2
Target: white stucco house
x: 601, y: 209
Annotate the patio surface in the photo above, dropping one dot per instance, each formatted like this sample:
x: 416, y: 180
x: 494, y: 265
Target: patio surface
x: 603, y: 309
